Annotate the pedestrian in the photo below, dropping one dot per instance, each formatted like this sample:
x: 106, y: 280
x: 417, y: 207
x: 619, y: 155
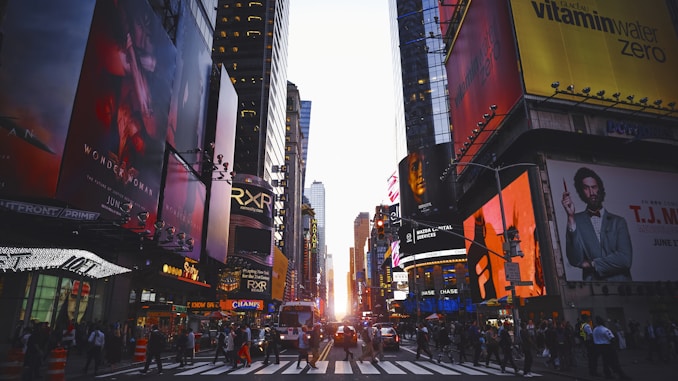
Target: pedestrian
x: 272, y: 337
x: 368, y: 347
x: 461, y: 338
x: 303, y: 344
x: 221, y: 347
x: 190, y: 345
x: 96, y: 342
x: 314, y: 342
x: 528, y: 345
x: 378, y: 344
x: 603, y: 340
x: 32, y: 354
x: 422, y: 342
x: 506, y: 344
x: 474, y: 337
x: 238, y: 343
x: 492, y: 346
x: 182, y: 343
x: 348, y: 341
x: 248, y: 332
x: 156, y: 343
x: 591, y: 355
x: 230, y: 345
x: 246, y: 340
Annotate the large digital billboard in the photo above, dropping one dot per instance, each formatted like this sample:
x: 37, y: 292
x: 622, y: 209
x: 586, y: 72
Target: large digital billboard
x: 250, y: 236
x: 189, y: 95
x: 636, y: 235
x: 486, y: 263
x: 220, y: 195
x: 41, y: 50
x: 183, y: 203
x: 624, y: 46
x: 116, y: 142
x: 482, y: 71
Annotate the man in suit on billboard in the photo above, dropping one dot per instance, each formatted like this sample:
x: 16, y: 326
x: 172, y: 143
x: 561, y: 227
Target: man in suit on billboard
x: 597, y: 241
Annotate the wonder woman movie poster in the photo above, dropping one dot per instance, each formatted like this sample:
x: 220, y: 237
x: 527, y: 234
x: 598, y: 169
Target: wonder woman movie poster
x: 486, y: 262
x: 42, y: 44
x: 115, y: 148
x: 183, y: 205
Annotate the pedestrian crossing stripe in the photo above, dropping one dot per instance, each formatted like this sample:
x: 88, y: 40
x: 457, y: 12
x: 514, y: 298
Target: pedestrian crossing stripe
x: 398, y: 367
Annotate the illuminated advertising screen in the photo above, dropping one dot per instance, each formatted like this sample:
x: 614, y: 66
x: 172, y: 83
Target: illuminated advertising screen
x: 116, y: 142
x: 422, y: 192
x: 42, y: 48
x: 183, y: 202
x: 623, y: 46
x: 278, y: 274
x: 224, y: 144
x: 189, y: 95
x: 250, y: 237
x: 486, y: 264
x: 638, y: 225
x: 482, y: 71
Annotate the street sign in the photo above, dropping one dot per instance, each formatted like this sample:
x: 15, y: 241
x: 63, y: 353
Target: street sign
x: 512, y: 271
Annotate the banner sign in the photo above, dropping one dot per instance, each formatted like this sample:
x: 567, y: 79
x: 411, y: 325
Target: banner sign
x: 81, y: 262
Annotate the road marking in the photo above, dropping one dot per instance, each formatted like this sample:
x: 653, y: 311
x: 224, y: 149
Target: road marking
x: 409, y: 365
x: 367, y: 368
x: 343, y: 367
x: 390, y: 368
x: 440, y: 369
x: 272, y: 368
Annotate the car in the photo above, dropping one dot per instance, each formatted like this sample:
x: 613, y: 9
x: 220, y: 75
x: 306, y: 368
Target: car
x: 390, y: 338
x: 339, y: 335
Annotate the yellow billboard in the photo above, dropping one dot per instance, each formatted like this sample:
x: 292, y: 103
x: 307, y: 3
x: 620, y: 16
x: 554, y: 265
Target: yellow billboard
x: 278, y: 274
x: 623, y: 46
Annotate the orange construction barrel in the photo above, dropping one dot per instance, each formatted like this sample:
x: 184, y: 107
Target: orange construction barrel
x: 11, y: 369
x: 140, y: 350
x: 198, y: 335
x: 56, y: 364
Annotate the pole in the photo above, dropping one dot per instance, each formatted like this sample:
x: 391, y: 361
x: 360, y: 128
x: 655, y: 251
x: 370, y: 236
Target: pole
x: 507, y: 253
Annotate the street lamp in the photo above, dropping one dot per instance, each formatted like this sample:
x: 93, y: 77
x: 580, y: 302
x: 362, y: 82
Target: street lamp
x: 511, y: 238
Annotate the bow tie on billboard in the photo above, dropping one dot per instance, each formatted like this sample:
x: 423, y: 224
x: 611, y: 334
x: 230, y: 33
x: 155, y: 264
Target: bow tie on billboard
x: 593, y: 212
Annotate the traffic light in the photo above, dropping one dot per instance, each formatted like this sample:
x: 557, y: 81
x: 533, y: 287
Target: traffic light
x: 380, y: 229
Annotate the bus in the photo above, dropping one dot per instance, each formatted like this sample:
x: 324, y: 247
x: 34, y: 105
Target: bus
x: 292, y: 315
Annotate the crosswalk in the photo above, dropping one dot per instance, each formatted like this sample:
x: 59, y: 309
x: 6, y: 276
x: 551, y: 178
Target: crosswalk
x: 289, y: 367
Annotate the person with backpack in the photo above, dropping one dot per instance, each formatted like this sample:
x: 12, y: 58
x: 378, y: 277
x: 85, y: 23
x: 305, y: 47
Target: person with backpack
x: 505, y: 343
x: 303, y: 344
x: 221, y: 347
x: 156, y: 343
x: 272, y: 337
x: 96, y: 342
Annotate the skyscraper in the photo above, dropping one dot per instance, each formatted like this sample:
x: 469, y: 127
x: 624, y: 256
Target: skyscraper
x: 250, y: 41
x: 316, y: 196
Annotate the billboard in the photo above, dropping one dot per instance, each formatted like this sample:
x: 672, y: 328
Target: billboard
x: 250, y: 237
x: 42, y: 45
x: 183, y: 203
x: 482, y: 71
x: 486, y: 263
x: 189, y: 95
x: 623, y: 46
x: 638, y: 224
x: 422, y: 193
x: 220, y: 195
x: 116, y: 142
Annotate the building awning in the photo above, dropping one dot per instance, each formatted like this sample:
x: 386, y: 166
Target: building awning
x: 81, y: 262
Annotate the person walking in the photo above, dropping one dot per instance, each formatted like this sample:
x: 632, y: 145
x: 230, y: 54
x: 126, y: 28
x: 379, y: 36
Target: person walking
x: 156, y: 343
x: 591, y: 355
x: 315, y: 345
x: 492, y: 346
x: 244, y: 351
x: 190, y: 345
x: 238, y: 342
x: 182, y: 342
x: 378, y: 345
x: 248, y: 333
x: 303, y: 345
x: 474, y: 336
x: 602, y: 339
x: 528, y: 346
x: 368, y: 347
x: 96, y: 341
x: 272, y: 337
x: 506, y: 344
x: 422, y: 342
x: 348, y: 341
x: 221, y: 347
x: 231, y: 357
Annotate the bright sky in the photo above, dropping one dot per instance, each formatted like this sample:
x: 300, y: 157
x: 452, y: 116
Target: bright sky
x: 340, y: 59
